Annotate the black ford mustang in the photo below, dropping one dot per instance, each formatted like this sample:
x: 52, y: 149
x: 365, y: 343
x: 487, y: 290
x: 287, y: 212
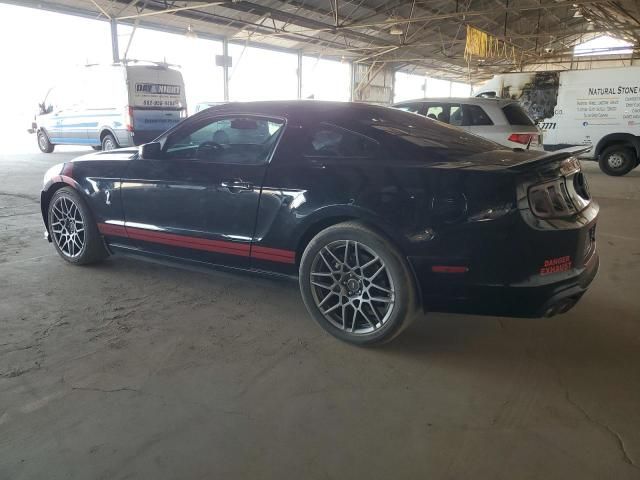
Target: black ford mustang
x: 377, y: 211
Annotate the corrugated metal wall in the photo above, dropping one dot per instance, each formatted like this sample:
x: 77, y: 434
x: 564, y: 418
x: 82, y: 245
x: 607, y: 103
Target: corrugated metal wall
x: 373, y: 83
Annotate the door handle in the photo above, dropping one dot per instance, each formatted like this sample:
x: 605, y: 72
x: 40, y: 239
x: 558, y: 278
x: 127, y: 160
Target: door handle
x: 236, y: 185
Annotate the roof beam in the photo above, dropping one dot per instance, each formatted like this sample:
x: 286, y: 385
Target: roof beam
x: 168, y: 10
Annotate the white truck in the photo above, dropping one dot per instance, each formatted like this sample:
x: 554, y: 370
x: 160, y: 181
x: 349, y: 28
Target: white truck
x: 596, y: 108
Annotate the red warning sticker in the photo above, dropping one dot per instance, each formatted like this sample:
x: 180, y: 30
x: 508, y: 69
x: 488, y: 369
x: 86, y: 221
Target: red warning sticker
x: 556, y: 265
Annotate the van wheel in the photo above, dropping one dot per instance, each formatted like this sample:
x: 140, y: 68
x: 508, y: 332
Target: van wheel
x: 109, y: 142
x: 617, y: 160
x: 44, y: 144
x: 357, y: 285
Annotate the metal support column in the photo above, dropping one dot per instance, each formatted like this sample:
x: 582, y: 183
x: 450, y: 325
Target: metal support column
x: 114, y: 41
x: 299, y: 75
x: 225, y: 68
x: 352, y: 96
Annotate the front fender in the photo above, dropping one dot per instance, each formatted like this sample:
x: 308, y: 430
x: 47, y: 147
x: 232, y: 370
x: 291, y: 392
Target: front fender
x: 614, y: 138
x: 52, y: 184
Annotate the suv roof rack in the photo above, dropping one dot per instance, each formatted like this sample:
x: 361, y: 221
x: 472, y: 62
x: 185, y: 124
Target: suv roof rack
x: 127, y: 61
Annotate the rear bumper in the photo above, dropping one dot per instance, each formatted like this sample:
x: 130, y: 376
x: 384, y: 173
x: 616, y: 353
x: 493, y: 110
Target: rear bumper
x: 539, y: 297
x: 516, y: 267
x: 544, y: 296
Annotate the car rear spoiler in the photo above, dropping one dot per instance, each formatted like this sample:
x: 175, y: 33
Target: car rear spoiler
x: 547, y: 157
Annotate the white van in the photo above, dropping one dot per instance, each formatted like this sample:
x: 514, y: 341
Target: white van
x: 597, y: 108
x: 111, y: 106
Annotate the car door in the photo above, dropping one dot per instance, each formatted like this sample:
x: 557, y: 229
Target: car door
x: 198, y: 197
x: 45, y: 119
x: 477, y: 121
x: 68, y: 117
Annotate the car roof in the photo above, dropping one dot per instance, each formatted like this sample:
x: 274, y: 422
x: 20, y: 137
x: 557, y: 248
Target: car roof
x: 298, y: 108
x: 467, y: 100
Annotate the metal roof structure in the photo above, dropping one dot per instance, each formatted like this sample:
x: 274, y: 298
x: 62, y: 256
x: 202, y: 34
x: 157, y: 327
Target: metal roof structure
x: 428, y: 36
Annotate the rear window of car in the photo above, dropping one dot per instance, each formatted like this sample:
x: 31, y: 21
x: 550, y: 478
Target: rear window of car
x: 516, y: 115
x: 414, y: 137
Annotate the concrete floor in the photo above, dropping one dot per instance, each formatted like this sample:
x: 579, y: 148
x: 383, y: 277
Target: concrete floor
x: 136, y: 370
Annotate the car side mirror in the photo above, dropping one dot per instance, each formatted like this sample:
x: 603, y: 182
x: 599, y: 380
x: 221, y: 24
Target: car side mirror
x: 149, y: 151
x: 44, y: 109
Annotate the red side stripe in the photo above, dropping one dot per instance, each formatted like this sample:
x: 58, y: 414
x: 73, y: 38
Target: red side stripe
x: 274, y: 252
x: 449, y: 269
x: 273, y: 258
x: 190, y: 242
x: 115, y: 230
x: 218, y: 246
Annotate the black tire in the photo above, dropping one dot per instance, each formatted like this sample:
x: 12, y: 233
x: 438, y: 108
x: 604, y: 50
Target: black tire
x: 390, y: 317
x: 617, y: 160
x: 97, y: 148
x: 92, y: 248
x: 44, y: 144
x: 109, y: 142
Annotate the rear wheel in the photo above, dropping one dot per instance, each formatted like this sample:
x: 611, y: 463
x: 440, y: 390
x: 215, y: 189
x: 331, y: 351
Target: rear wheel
x: 617, y: 160
x: 44, y: 144
x: 109, y: 142
x: 73, y: 231
x: 356, y: 285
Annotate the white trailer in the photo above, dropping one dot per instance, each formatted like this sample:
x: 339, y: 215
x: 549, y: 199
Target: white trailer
x: 596, y: 108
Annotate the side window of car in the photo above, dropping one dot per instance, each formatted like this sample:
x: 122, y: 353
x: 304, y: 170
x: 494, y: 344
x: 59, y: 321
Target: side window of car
x: 455, y: 114
x: 475, y: 115
x: 331, y: 141
x: 437, y: 111
x: 239, y: 139
x: 411, y: 107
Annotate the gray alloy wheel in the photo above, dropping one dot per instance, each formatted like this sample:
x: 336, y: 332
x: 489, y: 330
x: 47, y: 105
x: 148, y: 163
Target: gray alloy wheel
x: 357, y: 285
x: 73, y: 230
x: 67, y: 227
x: 44, y: 144
x: 109, y: 143
x: 352, y: 287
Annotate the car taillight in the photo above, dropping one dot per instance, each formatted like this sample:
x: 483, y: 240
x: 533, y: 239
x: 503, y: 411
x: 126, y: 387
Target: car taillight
x: 563, y: 196
x: 523, y: 138
x: 128, y: 116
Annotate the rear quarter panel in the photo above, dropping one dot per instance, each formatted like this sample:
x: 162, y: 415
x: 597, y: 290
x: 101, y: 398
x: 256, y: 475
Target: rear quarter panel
x: 392, y: 194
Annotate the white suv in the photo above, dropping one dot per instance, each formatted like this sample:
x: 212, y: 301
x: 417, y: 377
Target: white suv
x: 503, y: 121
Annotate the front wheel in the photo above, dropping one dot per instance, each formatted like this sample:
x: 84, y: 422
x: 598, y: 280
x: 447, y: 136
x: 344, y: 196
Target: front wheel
x: 44, y: 144
x: 73, y: 231
x: 357, y: 285
x: 617, y: 160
